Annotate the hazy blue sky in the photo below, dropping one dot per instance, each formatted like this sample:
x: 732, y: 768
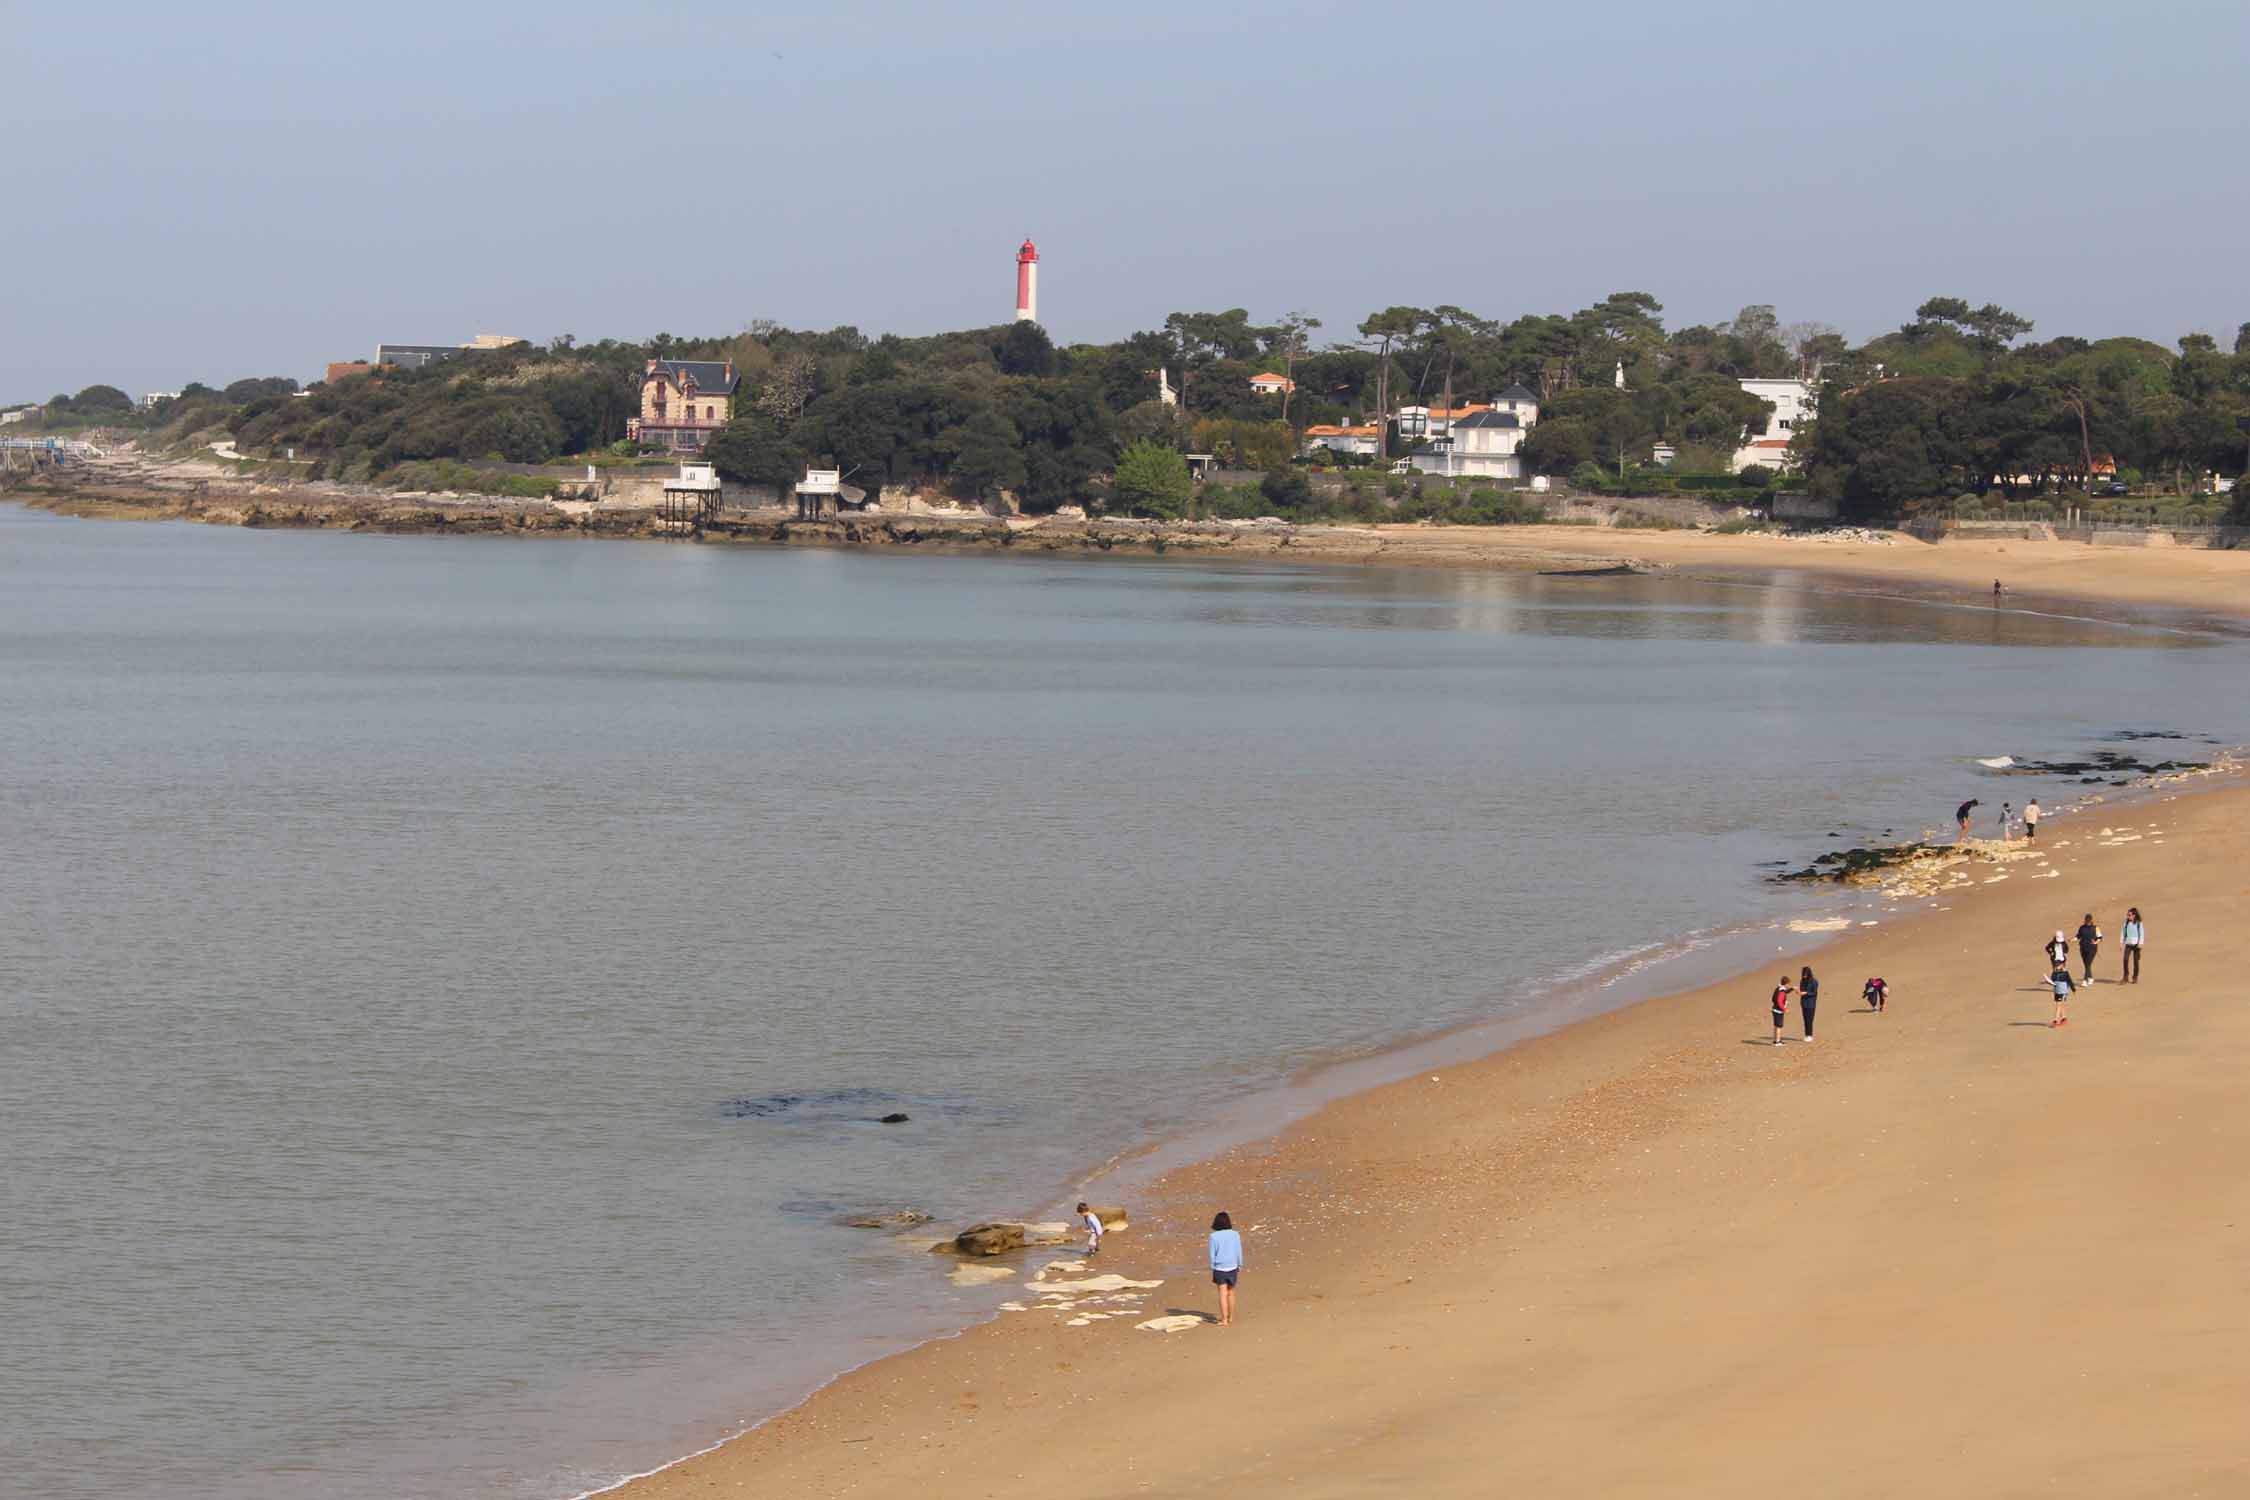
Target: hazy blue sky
x: 204, y: 192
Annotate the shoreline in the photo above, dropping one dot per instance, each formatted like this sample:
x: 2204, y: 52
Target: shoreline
x: 796, y: 1447
x: 2203, y: 590
x: 1386, y: 1058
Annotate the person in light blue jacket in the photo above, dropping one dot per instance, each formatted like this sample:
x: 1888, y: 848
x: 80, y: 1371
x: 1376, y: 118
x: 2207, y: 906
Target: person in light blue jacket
x: 1226, y: 1265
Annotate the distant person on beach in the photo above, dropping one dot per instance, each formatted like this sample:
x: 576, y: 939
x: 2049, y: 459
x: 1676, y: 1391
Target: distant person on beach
x: 1808, y: 998
x: 1780, y: 1008
x: 1961, y: 816
x: 2006, y: 813
x: 2058, y: 951
x: 1877, y: 994
x: 1093, y: 1223
x: 1226, y: 1263
x: 2031, y: 819
x: 2089, y: 942
x: 2134, y: 934
x: 2059, y: 981
x: 1995, y: 588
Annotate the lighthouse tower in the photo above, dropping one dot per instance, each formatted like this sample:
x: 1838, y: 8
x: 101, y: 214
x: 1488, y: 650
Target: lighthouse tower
x: 1027, y: 283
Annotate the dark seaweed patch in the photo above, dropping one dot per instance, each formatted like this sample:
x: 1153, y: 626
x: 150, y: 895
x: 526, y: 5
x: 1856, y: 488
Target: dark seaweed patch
x: 1850, y: 864
x: 2106, y: 763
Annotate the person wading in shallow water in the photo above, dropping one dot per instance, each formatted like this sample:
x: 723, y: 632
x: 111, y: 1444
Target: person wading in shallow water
x: 1961, y: 816
x: 1808, y: 997
x: 2031, y: 819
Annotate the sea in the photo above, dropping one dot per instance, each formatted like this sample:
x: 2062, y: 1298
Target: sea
x: 450, y: 988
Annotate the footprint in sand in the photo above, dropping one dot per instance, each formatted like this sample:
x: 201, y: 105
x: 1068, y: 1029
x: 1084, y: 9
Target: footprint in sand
x: 1173, y: 1323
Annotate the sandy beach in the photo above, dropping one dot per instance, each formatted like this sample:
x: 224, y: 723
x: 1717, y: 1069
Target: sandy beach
x: 2054, y: 577
x: 2036, y: 574
x: 1946, y: 1250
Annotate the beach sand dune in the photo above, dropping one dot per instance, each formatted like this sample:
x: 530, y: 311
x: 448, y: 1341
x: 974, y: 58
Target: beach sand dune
x: 1946, y: 1251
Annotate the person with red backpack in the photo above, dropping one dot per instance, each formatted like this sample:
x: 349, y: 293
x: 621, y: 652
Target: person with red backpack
x: 1876, y: 993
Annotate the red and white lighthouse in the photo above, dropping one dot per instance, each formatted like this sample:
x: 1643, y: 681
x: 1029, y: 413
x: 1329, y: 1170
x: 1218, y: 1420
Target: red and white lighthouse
x: 1027, y: 283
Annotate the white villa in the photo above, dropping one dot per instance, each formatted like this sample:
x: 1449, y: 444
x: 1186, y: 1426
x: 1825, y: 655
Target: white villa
x: 1343, y: 439
x: 1479, y: 442
x: 1792, y: 407
x: 1270, y: 384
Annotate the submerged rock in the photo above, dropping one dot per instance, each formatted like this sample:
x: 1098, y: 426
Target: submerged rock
x: 894, y: 1119
x: 897, y: 1218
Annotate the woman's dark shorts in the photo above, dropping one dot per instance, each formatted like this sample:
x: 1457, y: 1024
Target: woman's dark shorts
x: 1224, y: 1278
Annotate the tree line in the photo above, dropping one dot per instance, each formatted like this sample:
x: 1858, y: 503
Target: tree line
x: 1958, y: 400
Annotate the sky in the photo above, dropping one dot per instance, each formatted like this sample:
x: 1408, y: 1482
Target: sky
x: 207, y: 192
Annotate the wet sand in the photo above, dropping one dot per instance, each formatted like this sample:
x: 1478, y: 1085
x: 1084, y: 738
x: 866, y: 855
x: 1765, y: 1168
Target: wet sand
x: 1947, y: 1250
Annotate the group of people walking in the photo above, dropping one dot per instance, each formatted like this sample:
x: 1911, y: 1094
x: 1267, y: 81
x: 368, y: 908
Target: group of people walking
x: 2132, y: 936
x: 2007, y: 819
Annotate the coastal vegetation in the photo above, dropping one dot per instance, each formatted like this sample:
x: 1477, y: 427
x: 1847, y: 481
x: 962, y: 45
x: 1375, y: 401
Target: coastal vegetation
x: 1957, y: 412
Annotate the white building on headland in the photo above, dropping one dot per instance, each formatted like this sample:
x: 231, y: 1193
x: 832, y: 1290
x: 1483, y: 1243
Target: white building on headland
x: 1792, y: 407
x: 1343, y: 439
x: 1481, y: 442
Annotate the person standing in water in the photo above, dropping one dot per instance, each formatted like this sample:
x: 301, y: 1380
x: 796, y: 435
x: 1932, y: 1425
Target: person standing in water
x: 1780, y: 1008
x: 2031, y: 820
x: 2089, y: 943
x: 1226, y: 1263
x: 1961, y: 816
x: 2006, y: 813
x: 1093, y: 1224
x: 2135, y: 933
x: 1808, y: 998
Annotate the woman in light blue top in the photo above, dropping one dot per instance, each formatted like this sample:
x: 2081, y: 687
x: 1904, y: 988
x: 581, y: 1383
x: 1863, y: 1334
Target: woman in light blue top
x: 1226, y: 1264
x: 2135, y: 934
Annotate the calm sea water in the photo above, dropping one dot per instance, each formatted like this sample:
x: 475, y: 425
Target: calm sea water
x: 448, y: 986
